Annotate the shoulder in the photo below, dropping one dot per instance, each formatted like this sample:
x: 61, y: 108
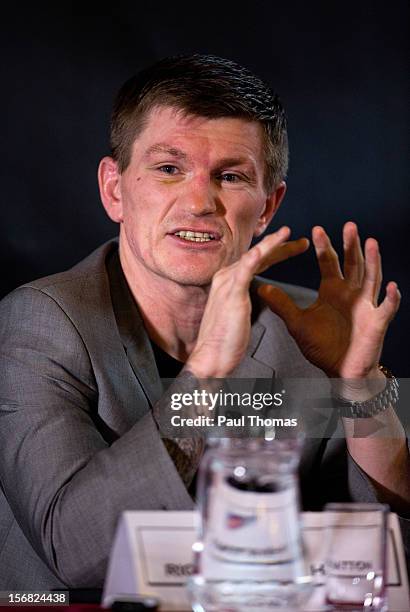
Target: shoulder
x: 63, y: 311
x: 70, y: 287
x: 58, y: 319
x: 86, y: 271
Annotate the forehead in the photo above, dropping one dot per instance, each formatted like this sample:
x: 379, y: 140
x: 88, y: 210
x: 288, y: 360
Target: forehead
x: 199, y: 136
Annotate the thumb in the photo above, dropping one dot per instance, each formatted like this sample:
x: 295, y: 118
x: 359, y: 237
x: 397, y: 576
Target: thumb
x: 281, y: 304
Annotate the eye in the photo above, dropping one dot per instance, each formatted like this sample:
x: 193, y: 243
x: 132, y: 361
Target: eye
x: 230, y: 177
x: 168, y: 169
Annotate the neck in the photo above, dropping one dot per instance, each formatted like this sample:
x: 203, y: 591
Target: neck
x: 172, y: 313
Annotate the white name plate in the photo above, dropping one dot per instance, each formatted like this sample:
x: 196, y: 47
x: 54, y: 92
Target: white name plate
x: 152, y: 555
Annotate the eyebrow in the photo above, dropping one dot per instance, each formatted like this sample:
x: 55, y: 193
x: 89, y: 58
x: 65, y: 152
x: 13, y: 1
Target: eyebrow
x: 164, y: 148
x: 235, y: 161
x: 225, y: 162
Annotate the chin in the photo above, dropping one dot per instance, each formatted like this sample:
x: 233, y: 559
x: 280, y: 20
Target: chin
x: 193, y: 280
x: 191, y: 277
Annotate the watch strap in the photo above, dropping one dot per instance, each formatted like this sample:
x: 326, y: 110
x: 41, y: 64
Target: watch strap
x: 353, y: 409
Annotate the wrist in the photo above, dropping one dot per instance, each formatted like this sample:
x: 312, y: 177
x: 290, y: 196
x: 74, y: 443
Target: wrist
x: 360, y: 389
x: 366, y: 397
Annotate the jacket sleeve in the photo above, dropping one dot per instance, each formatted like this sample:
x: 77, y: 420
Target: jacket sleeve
x: 362, y: 490
x: 343, y: 480
x: 65, y: 484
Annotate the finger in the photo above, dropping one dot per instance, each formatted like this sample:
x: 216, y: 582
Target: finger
x: 281, y: 253
x: 391, y: 302
x: 353, y: 263
x: 326, y: 255
x: 272, y: 249
x: 373, y: 271
x: 244, y: 270
x: 276, y: 247
x: 267, y: 247
x: 281, y: 304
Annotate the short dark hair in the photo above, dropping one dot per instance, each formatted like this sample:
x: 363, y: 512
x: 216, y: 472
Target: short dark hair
x: 205, y: 86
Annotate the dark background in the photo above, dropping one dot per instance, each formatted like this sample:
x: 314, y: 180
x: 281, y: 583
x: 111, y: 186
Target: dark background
x: 339, y: 67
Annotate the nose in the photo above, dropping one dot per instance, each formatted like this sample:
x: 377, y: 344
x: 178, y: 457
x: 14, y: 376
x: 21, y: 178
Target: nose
x: 199, y: 198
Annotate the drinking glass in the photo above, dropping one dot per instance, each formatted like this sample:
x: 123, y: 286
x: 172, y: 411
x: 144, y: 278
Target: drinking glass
x: 250, y: 554
x: 356, y: 558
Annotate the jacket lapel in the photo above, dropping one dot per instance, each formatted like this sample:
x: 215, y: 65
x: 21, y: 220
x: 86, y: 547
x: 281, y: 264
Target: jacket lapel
x: 251, y: 366
x: 133, y: 334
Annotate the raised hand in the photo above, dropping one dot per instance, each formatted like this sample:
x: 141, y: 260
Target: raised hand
x: 225, y: 328
x: 343, y: 331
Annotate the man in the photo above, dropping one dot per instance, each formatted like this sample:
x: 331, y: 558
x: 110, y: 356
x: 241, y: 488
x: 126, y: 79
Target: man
x: 199, y: 157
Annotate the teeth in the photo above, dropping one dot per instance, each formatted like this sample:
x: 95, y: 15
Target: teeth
x: 195, y: 236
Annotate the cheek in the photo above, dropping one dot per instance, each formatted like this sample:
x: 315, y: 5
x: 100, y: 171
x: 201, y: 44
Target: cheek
x: 247, y: 216
x: 137, y: 222
x: 246, y: 224
x: 139, y: 237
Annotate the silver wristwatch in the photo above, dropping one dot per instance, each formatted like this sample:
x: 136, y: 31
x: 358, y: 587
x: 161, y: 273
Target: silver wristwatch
x: 352, y: 409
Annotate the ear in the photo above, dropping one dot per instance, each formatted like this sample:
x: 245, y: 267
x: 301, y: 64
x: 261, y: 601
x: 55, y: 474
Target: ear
x: 109, y: 179
x: 272, y: 203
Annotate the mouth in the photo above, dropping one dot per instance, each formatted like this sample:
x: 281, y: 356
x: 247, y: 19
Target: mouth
x: 196, y: 236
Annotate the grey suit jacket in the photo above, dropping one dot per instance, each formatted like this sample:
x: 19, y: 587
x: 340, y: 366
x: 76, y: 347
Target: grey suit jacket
x: 78, y: 443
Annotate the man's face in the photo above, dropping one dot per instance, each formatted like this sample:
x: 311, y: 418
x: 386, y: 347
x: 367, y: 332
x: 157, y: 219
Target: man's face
x: 193, y: 195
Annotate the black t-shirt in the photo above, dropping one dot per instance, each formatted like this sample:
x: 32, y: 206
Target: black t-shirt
x: 168, y: 367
